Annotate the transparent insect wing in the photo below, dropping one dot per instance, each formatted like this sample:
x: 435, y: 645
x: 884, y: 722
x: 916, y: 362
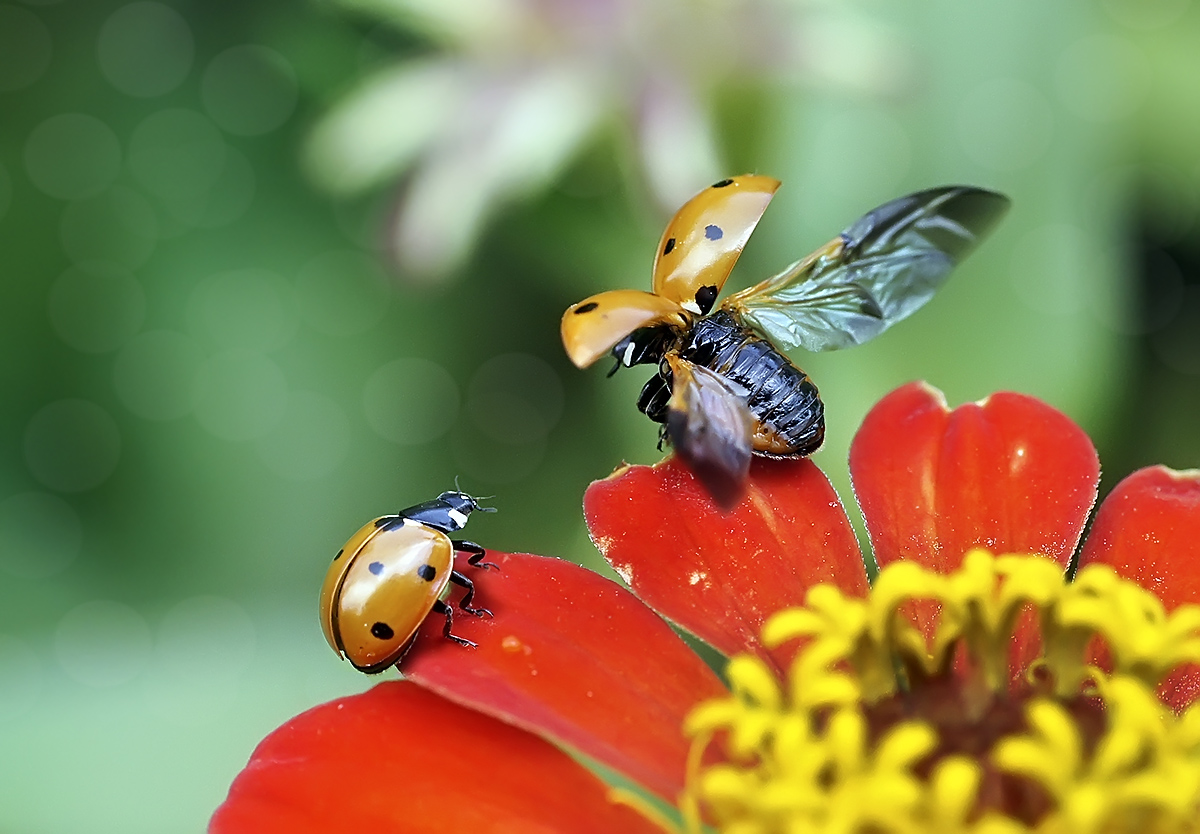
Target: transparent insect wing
x: 710, y: 427
x: 880, y: 270
x: 705, y: 238
x: 592, y: 327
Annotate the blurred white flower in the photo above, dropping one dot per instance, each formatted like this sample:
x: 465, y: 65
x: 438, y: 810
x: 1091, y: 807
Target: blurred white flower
x: 518, y: 86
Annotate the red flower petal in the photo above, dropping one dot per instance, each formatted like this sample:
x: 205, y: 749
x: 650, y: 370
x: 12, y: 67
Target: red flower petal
x: 398, y: 758
x: 1009, y: 473
x: 576, y: 658
x: 1148, y: 530
x: 720, y: 575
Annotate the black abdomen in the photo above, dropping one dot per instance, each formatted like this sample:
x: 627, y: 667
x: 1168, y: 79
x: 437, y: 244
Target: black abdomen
x: 782, y: 398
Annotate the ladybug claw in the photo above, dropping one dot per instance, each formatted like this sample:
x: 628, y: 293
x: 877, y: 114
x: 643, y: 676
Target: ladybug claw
x: 478, y: 612
x: 462, y: 641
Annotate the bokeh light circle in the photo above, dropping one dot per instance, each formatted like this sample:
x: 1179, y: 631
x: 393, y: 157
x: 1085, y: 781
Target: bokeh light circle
x: 178, y: 156
x: 254, y: 309
x: 103, y: 643
x: 154, y: 374
x: 249, y: 90
x: 240, y: 395
x: 310, y: 441
x: 411, y: 401
x: 203, y: 649
x: 25, y: 48
x: 205, y: 636
x: 72, y: 445
x: 481, y: 458
x: 72, y: 156
x: 21, y: 677
x: 40, y: 535
x: 231, y: 194
x: 96, y: 307
x: 1005, y: 124
x: 1103, y: 78
x: 119, y: 226
x: 342, y: 293
x: 145, y: 49
x: 515, y: 398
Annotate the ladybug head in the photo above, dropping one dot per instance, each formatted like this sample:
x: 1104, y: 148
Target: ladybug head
x: 460, y: 502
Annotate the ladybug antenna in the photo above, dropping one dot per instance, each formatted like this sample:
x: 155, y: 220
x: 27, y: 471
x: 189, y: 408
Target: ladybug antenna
x: 483, y: 509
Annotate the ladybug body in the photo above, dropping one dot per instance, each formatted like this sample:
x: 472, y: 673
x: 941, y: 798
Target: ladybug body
x: 391, y: 574
x: 787, y: 416
x: 724, y: 391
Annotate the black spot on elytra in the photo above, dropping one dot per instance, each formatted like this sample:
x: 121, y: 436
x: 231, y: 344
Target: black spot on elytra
x: 670, y: 245
x: 713, y: 232
x: 722, y: 183
x: 427, y: 572
x: 375, y: 568
x: 705, y: 297
x: 383, y: 631
x: 586, y: 308
x: 339, y: 554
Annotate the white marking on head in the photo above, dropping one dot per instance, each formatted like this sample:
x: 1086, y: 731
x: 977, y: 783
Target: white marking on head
x: 692, y: 307
x: 458, y: 518
x: 627, y: 359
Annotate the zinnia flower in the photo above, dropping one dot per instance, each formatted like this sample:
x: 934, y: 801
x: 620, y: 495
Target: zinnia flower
x: 963, y: 692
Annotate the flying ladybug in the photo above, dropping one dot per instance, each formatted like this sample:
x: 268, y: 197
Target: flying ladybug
x: 724, y: 391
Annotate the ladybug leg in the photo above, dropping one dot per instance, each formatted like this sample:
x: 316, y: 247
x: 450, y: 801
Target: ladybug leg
x: 477, y: 553
x: 465, y: 603
x: 442, y: 608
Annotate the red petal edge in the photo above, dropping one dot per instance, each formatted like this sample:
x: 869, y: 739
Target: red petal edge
x: 1148, y: 530
x: 1009, y: 473
x: 721, y: 575
x: 401, y: 759
x: 573, y: 657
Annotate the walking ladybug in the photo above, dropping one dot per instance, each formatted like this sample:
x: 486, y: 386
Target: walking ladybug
x: 391, y: 574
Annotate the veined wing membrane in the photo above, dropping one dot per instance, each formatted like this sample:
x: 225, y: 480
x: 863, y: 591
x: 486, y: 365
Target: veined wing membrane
x: 710, y: 427
x: 880, y: 270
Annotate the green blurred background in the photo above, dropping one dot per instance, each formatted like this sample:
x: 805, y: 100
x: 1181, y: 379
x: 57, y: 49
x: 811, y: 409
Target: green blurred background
x: 268, y: 270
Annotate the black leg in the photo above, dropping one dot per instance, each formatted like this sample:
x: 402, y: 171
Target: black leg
x: 465, y: 603
x: 442, y: 608
x: 477, y: 553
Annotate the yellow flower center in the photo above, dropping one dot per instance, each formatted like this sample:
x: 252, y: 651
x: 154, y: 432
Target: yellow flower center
x: 878, y: 730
